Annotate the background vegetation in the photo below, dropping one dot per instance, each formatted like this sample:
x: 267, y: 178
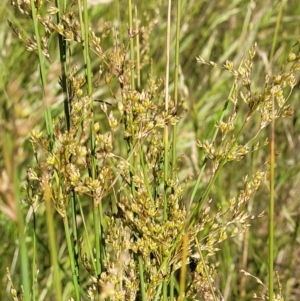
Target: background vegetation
x: 56, y: 145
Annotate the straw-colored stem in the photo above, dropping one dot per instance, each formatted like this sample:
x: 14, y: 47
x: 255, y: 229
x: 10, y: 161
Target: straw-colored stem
x: 183, y: 271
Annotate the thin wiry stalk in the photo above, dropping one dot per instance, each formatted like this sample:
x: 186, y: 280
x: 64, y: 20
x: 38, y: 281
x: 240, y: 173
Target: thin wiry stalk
x: 49, y: 127
x: 207, y: 274
x: 272, y: 167
x: 34, y: 266
x: 276, y: 32
x: 48, y: 117
x: 244, y: 262
x: 87, y: 59
x: 166, y: 130
x: 145, y: 168
x: 84, y: 23
x: 174, y: 128
x: 132, y: 82
x: 63, y: 62
x: 138, y: 58
x: 72, y: 259
x: 97, y: 239
x: 22, y: 237
x: 52, y: 242
x: 197, y: 209
x: 75, y: 230
x: 86, y: 235
x: 131, y: 41
x: 220, y: 118
x: 271, y: 206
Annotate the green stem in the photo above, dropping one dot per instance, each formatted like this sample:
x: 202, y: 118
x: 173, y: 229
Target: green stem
x: 271, y: 206
x: 34, y: 266
x: 74, y: 232
x: 272, y: 168
x: 72, y: 258
x: 97, y: 239
x: 166, y: 132
x: 221, y: 115
x: 138, y: 59
x: 63, y: 62
x: 174, y: 129
x: 278, y: 21
x: 131, y: 42
x: 48, y: 117
x: 86, y: 235
x: 52, y: 242
x: 22, y: 239
x: 84, y: 23
x: 207, y: 274
x: 166, y: 129
x: 172, y: 287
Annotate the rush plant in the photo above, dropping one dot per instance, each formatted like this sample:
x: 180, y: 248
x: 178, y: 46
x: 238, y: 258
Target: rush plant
x: 111, y: 202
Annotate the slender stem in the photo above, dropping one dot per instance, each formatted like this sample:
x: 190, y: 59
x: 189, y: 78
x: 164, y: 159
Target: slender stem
x: 34, y: 266
x: 138, y: 59
x: 130, y: 116
x: 221, y: 115
x: 92, y: 259
x: 63, y: 62
x: 84, y: 23
x: 131, y: 41
x: 272, y: 167
x: 87, y: 59
x: 174, y: 128
x: 22, y: 238
x: 207, y: 274
x: 97, y: 239
x: 278, y: 21
x: 199, y: 205
x: 183, y: 266
x: 74, y: 231
x: 52, y: 243
x: 166, y: 129
x: 72, y: 258
x: 48, y: 117
x: 271, y: 205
